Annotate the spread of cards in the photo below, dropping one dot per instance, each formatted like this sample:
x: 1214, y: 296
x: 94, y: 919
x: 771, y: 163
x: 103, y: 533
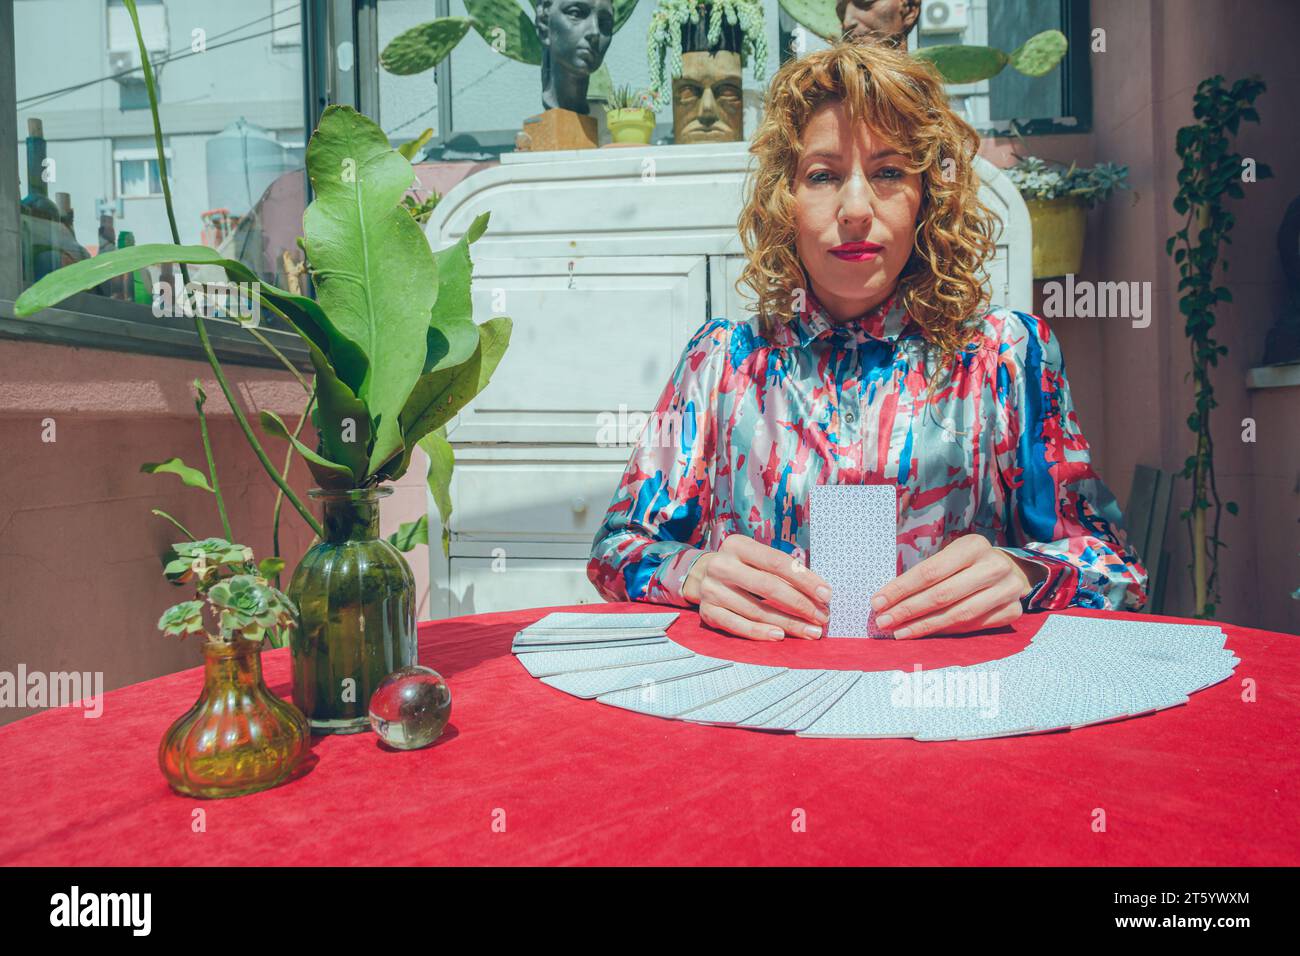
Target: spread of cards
x: 1076, y: 671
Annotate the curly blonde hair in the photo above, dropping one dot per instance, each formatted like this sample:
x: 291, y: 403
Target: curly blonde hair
x: 902, y: 99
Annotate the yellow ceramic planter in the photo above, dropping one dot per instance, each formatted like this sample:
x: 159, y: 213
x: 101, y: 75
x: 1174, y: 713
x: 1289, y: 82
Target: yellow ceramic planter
x: 635, y: 125
x: 1058, y: 227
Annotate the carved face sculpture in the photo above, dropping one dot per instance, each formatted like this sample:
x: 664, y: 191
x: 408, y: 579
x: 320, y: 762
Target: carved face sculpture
x: 891, y: 20
x: 707, y: 99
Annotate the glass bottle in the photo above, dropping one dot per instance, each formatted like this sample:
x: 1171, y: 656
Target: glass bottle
x: 238, y: 737
x: 356, y: 596
x: 41, y: 216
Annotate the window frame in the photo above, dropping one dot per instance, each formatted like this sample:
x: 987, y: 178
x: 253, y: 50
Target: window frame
x: 135, y: 154
x: 94, y: 321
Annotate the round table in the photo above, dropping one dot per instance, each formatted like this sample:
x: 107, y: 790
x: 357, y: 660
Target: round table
x: 525, y: 774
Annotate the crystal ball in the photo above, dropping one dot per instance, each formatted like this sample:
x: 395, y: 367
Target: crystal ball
x: 409, y: 709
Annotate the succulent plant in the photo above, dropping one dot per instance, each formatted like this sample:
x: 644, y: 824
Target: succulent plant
x: 247, y: 605
x: 182, y: 619
x: 201, y: 561
x: 626, y: 98
x: 1037, y: 179
x: 242, y: 600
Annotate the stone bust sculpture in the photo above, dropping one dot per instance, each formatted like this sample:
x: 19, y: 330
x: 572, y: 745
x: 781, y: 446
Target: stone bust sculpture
x: 890, y: 20
x: 574, y: 35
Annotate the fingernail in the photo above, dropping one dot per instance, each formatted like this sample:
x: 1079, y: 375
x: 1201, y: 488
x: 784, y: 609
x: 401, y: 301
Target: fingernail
x: 902, y: 633
x: 775, y: 632
x: 797, y: 565
x: 824, y: 593
x: 812, y: 631
x: 883, y: 620
x: 822, y: 616
x: 878, y: 602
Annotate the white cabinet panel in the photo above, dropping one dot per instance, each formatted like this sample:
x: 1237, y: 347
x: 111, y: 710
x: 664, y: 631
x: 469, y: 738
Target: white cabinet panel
x: 482, y: 585
x: 510, y: 501
x: 592, y: 336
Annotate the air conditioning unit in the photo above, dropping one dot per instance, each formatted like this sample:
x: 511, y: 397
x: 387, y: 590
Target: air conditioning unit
x: 944, y: 16
x: 123, y: 50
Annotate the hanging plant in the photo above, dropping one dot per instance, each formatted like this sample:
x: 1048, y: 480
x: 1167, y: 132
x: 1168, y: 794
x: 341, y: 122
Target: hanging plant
x: 664, y: 40
x: 1210, y: 174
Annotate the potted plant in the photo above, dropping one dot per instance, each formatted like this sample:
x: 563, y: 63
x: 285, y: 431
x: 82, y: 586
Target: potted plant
x: 396, y: 355
x: 678, y: 27
x: 629, y: 116
x: 1059, y: 199
x: 238, y: 738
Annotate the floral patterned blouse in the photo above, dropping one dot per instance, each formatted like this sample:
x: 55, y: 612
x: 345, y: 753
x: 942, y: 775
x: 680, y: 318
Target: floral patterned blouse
x: 747, y: 425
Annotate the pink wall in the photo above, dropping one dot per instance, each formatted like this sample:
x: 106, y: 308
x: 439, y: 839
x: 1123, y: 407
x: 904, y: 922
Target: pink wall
x: 80, y: 579
x: 1129, y: 383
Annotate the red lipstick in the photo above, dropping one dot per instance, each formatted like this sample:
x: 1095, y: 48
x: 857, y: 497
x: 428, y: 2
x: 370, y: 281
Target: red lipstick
x: 857, y: 251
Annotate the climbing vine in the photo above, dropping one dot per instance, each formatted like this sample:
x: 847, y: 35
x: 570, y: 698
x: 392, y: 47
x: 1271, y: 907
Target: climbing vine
x: 1211, y: 173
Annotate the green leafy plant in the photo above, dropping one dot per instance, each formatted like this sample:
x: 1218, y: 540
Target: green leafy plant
x: 233, y: 593
x: 503, y: 25
x: 957, y: 63
x: 1037, y: 179
x: 664, y: 39
x: 1211, y: 173
x: 392, y: 338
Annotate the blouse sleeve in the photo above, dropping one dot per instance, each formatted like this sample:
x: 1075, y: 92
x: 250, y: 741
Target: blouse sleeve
x: 657, y: 520
x: 1057, y: 512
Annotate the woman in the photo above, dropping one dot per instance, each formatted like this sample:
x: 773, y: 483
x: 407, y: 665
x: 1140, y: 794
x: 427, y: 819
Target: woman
x: 873, y: 358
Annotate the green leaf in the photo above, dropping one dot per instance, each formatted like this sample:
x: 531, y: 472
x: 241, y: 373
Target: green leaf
x: 304, y: 315
x: 441, y: 461
x: 506, y: 28
x: 330, y: 474
x: 477, y: 227
x: 409, y: 150
x: 1232, y: 507
x: 425, y: 46
x: 270, y: 567
x: 375, y: 274
x: 410, y: 534
x: 444, y: 392
x: 191, y: 477
x: 1039, y: 55
x: 964, y: 64
x: 817, y: 15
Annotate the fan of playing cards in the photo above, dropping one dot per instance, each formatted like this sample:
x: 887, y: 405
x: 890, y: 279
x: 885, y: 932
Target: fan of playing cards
x: 1076, y: 671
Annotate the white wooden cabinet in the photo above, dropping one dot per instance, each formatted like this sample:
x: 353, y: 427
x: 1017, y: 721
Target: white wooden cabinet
x: 606, y: 261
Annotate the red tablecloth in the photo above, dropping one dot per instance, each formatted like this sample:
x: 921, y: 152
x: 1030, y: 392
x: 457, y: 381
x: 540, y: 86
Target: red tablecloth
x: 576, y: 781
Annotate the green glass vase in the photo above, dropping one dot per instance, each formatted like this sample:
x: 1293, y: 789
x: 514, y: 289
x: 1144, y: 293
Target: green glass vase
x: 238, y: 737
x: 356, y: 597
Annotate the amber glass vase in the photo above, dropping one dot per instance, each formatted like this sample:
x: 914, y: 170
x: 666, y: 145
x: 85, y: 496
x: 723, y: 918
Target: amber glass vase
x: 238, y: 737
x: 356, y: 596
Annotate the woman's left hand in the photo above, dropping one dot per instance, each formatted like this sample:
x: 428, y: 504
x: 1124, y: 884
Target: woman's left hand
x: 968, y: 585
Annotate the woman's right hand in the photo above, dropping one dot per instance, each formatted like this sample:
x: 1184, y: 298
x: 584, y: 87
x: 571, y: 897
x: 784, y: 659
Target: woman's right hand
x: 755, y: 591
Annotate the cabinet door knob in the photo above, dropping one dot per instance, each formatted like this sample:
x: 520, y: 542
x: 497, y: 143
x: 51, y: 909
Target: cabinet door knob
x: 579, y: 505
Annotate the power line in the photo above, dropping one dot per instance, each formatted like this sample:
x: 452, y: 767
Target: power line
x: 40, y: 99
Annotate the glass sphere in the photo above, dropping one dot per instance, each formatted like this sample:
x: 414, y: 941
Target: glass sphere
x: 410, y: 707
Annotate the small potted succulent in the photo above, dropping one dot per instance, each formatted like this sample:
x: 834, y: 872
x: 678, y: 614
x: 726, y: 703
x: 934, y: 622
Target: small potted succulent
x: 239, y: 737
x: 1059, y: 199
x: 629, y: 116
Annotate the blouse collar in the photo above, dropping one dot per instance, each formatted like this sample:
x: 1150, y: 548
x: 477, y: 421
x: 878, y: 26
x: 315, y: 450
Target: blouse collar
x: 884, y: 323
